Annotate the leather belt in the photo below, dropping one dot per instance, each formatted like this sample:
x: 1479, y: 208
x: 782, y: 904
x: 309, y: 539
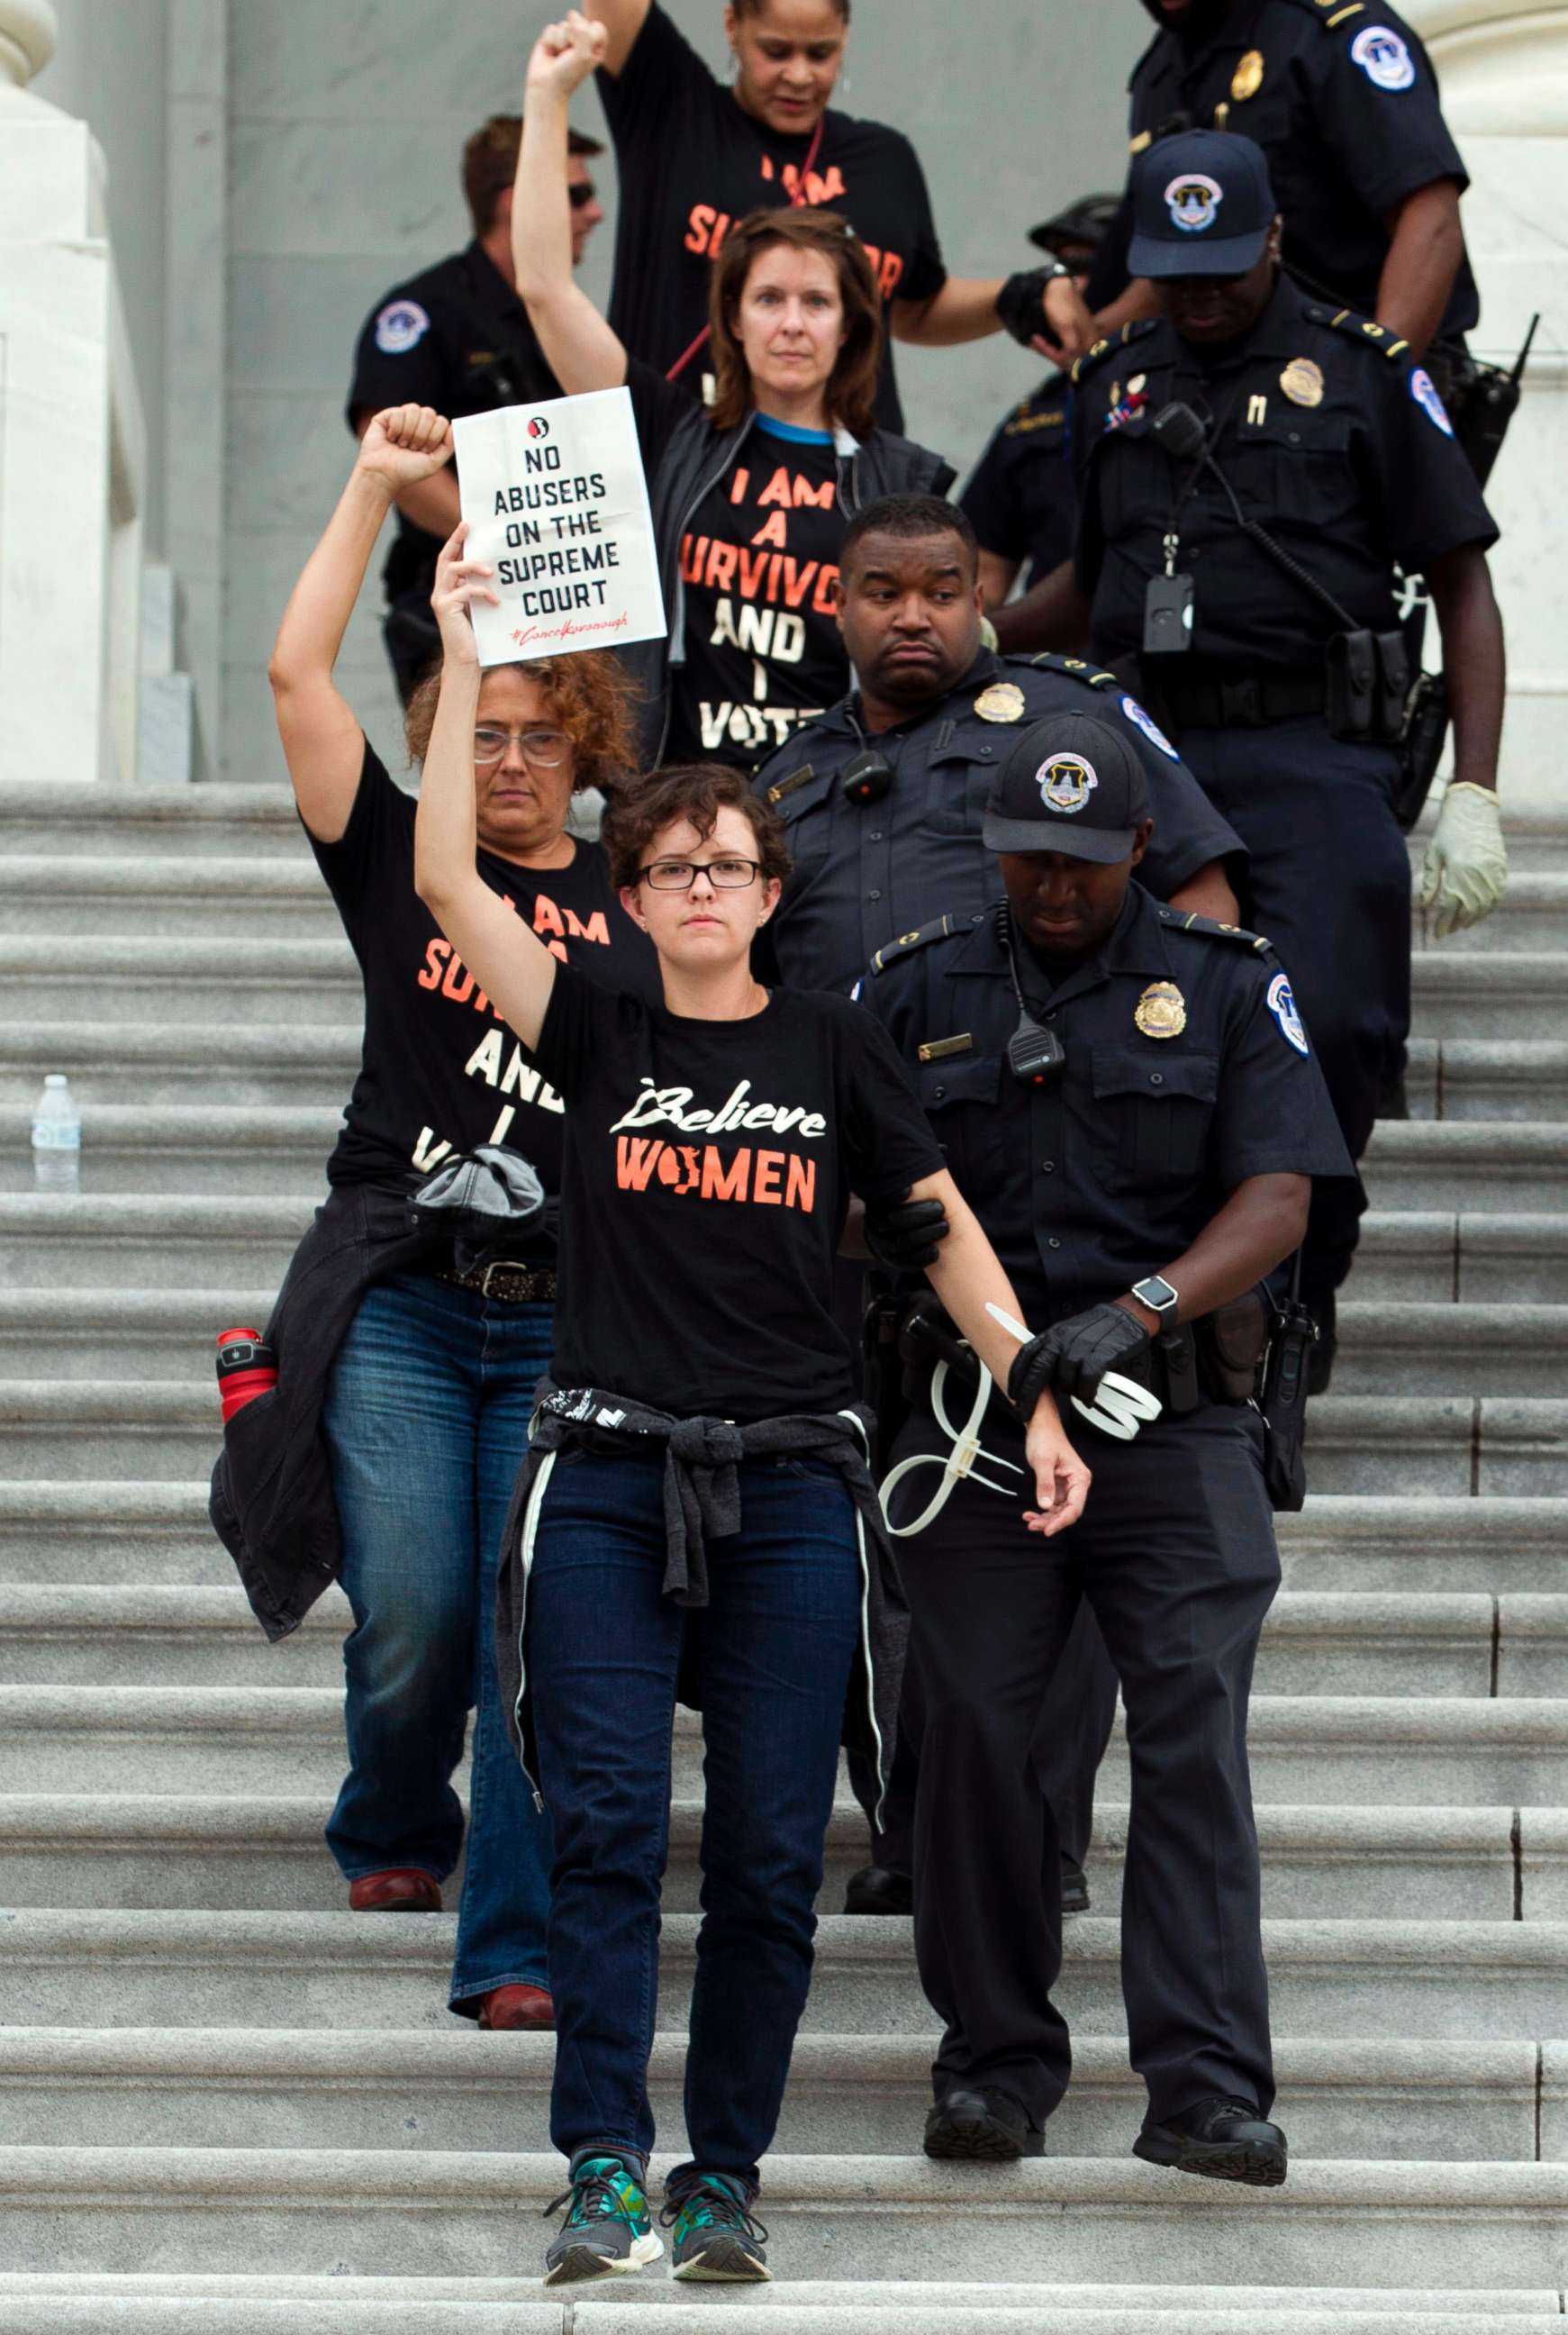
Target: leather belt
x: 1242, y: 701
x: 507, y: 1282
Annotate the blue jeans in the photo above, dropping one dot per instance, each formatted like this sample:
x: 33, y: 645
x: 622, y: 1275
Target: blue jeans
x: 426, y: 1419
x: 603, y: 1647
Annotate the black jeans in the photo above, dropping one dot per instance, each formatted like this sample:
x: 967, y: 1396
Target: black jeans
x: 1176, y: 1553
x: 603, y: 1647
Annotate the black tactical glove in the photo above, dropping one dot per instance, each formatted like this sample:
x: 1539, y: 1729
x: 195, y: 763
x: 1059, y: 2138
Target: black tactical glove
x: 904, y: 1235
x: 1021, y: 304
x: 1073, y: 1358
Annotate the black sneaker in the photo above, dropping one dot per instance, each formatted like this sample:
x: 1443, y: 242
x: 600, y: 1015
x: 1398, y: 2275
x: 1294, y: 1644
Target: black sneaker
x: 873, y: 1890
x: 715, y: 2235
x: 1226, y: 2139
x: 984, y: 2127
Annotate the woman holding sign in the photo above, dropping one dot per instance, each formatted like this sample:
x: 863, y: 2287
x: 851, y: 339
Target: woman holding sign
x: 750, y: 497
x: 405, y: 1384
x: 698, y: 1492
x: 695, y: 154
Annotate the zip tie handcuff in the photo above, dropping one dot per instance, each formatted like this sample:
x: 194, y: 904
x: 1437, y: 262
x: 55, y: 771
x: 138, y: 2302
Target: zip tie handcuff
x: 1120, y: 1406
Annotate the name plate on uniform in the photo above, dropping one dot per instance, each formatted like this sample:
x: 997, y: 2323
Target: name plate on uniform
x: 558, y: 506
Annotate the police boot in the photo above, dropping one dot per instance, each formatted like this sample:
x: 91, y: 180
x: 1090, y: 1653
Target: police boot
x: 1226, y: 2139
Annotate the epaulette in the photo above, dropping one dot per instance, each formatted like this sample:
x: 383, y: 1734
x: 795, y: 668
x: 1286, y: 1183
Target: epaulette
x: 1093, y: 677
x: 1129, y: 332
x: 787, y: 783
x: 941, y: 928
x: 1332, y: 13
x: 1177, y: 921
x: 1360, y: 328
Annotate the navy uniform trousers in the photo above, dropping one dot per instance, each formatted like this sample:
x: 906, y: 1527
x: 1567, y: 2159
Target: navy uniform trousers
x: 1176, y: 1555
x: 1330, y: 884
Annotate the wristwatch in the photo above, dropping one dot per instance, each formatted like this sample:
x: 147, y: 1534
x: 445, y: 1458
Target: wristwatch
x: 1156, y: 1294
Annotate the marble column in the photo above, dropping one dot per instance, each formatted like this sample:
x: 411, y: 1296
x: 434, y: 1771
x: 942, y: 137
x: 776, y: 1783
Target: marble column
x: 71, y: 453
x: 1504, y: 67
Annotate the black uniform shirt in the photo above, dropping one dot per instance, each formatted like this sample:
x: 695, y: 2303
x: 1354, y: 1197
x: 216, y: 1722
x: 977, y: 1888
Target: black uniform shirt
x: 1087, y: 1184
x: 865, y: 872
x: 1331, y: 439
x: 1344, y: 102
x: 1020, y: 497
x: 457, y: 338
x: 691, y: 161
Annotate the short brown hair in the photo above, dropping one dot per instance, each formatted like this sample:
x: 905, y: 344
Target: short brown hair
x: 755, y: 7
x: 490, y: 164
x: 590, y: 696
x: 696, y: 791
x: 852, y: 386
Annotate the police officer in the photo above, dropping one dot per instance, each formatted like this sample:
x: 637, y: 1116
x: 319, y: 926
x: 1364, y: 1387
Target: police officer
x: 1019, y: 494
x: 1127, y: 1101
x: 1250, y: 468
x: 457, y: 339
x: 882, y: 798
x: 1344, y: 102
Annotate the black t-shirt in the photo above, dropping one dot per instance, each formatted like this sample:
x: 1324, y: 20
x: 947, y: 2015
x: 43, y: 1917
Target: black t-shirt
x: 707, y: 1173
x: 457, y: 338
x: 757, y: 650
x: 1019, y: 499
x: 441, y: 1071
x: 691, y: 162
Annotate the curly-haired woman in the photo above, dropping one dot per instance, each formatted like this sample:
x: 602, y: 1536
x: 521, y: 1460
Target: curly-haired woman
x: 426, y: 1401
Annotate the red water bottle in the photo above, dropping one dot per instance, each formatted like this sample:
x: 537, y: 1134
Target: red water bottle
x: 245, y: 1368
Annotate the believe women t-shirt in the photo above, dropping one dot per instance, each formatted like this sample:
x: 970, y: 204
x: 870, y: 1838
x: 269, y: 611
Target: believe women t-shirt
x: 441, y: 1071
x: 707, y: 1174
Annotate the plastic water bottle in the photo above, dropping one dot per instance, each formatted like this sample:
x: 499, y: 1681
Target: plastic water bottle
x: 56, y: 1137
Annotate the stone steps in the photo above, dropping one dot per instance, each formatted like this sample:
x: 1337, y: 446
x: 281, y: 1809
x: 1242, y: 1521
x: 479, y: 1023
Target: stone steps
x: 1364, y: 1751
x: 151, y: 2304
x: 1464, y: 1980
x: 1333, y: 1642
x: 277, y: 1151
x: 106, y: 1531
x: 206, y: 1150
x: 184, y: 1852
x: 159, y: 1062
x: 268, y: 896
x: 56, y: 1331
x: 459, y: 2213
x: 1508, y: 1077
x: 235, y: 2088
x: 130, y: 978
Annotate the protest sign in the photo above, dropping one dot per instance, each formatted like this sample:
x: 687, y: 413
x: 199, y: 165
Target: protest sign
x: 556, y: 506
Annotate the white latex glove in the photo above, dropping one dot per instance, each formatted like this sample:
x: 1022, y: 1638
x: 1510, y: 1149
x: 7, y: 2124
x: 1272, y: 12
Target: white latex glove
x: 1466, y: 870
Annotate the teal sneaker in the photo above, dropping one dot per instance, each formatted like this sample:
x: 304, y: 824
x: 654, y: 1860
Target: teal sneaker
x: 609, y: 2230
x: 715, y: 2235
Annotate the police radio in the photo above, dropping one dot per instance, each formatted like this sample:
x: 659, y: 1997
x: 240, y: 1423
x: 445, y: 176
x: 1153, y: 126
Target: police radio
x: 865, y: 776
x: 1035, y: 1055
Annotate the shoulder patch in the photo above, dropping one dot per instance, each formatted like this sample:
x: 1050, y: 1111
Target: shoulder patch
x: 1360, y: 328
x: 939, y: 928
x: 1092, y: 676
x: 1091, y: 358
x: 1176, y: 922
x: 400, y: 326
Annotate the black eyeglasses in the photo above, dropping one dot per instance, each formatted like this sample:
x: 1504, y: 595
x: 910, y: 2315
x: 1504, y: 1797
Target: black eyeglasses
x: 680, y: 874
x: 581, y: 193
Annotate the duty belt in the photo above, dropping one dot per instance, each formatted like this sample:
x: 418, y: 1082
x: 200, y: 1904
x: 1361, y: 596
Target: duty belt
x: 1245, y: 701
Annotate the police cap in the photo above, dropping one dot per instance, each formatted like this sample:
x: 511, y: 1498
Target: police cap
x: 1083, y: 226
x: 1202, y: 206
x: 1069, y: 784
